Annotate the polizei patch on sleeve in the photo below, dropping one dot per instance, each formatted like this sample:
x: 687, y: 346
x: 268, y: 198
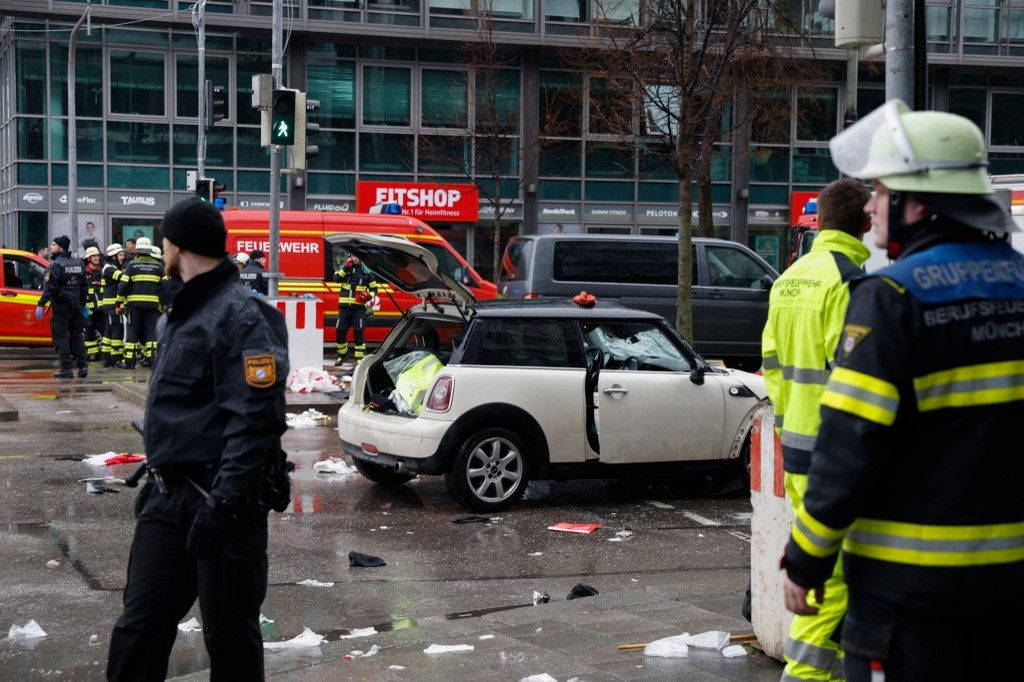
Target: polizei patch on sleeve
x: 853, y: 334
x: 260, y: 370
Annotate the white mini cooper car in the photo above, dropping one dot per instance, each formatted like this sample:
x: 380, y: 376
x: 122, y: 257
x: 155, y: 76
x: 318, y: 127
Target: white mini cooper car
x: 534, y: 390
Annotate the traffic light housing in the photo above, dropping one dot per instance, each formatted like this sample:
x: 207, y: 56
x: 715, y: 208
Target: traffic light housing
x: 216, y: 104
x: 282, y: 117
x: 215, y: 194
x: 204, y: 189
x: 304, y: 129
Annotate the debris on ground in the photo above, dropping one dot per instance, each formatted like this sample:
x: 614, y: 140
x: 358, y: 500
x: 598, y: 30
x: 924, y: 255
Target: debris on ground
x: 190, y: 625
x: 305, y: 640
x: 312, y: 379
x: 513, y: 658
x: 359, y: 560
x: 396, y: 667
x: 309, y: 582
x: 52, y: 563
x: 264, y: 620
x: 540, y: 597
x: 94, y: 640
x: 542, y: 677
x: 359, y: 632
x: 535, y: 554
x: 447, y: 648
x: 734, y: 651
x: 566, y: 527
x: 657, y: 504
x: 491, y: 636
x: 29, y: 630
x: 582, y: 590
x: 98, y: 486
x: 713, y: 639
x: 669, y: 647
x: 621, y: 535
x: 471, y: 518
x: 111, y: 458
x: 307, y: 420
x: 373, y: 651
x: 334, y: 465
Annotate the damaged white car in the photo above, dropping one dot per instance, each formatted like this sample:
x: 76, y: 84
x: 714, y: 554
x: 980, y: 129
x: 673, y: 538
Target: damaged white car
x: 494, y: 394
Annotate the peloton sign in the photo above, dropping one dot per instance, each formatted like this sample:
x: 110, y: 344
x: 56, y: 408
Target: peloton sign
x: 426, y: 201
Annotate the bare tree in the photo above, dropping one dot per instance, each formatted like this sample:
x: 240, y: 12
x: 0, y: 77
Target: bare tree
x: 682, y: 64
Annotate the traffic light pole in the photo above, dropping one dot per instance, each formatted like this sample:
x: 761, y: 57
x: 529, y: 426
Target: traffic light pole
x: 276, y: 60
x: 199, y: 22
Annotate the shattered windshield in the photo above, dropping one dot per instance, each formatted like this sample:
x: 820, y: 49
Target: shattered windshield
x: 634, y: 345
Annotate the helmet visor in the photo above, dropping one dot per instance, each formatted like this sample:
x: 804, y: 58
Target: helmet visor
x: 875, y: 146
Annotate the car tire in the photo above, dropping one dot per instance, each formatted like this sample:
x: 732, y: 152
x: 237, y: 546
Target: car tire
x: 741, y: 466
x: 490, y: 471
x: 381, y: 476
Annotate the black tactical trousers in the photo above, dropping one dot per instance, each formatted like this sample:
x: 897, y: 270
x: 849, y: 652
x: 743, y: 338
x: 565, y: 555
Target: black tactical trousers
x: 352, y: 317
x: 67, y: 329
x: 140, y: 336
x: 163, y: 583
x: 934, y: 646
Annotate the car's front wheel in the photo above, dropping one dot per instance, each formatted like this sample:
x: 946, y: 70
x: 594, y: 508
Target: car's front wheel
x: 489, y: 472
x: 381, y: 475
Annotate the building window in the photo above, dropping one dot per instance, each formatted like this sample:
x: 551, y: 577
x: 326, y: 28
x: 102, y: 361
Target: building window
x: 508, y: 9
x: 385, y: 153
x: 817, y: 113
x: 137, y: 83
x: 130, y: 142
x: 334, y: 86
x: 813, y: 165
x: 88, y: 80
x: 187, y: 94
x: 31, y: 78
x: 561, y: 104
x: 219, y: 146
x: 617, y: 11
x: 138, y: 177
x: 337, y: 150
x: 980, y: 24
x: 32, y: 138
x: 444, y: 154
x: 386, y: 95
x: 610, y: 160
x: 970, y: 104
x: 250, y: 153
x: 560, y: 158
x: 1006, y: 127
x: 443, y: 97
x: 246, y: 66
x: 574, y: 11
x: 497, y: 101
x: 89, y: 135
x: 769, y: 164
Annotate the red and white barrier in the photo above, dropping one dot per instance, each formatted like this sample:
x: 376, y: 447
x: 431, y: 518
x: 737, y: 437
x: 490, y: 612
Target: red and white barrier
x: 305, y: 320
x: 769, y: 530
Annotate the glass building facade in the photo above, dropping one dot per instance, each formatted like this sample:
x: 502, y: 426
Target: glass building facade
x: 398, y: 102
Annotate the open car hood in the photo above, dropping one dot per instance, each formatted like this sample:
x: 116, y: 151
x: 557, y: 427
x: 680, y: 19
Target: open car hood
x: 403, y: 264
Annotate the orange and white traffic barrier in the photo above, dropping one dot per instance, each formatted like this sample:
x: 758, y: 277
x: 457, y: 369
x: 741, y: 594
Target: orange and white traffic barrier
x: 305, y: 320
x: 769, y: 530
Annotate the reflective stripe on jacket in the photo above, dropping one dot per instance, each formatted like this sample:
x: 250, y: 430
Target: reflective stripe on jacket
x: 356, y: 282
x: 140, y: 282
x: 806, y: 308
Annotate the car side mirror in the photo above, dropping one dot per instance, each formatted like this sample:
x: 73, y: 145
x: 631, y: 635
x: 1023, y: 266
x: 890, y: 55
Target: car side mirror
x: 697, y: 375
x: 767, y: 282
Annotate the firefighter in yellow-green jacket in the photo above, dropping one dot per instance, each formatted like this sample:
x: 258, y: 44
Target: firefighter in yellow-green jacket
x: 805, y: 320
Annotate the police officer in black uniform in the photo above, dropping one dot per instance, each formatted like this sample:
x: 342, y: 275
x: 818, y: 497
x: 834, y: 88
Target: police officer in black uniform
x: 214, y: 418
x: 252, y: 274
x: 64, y: 292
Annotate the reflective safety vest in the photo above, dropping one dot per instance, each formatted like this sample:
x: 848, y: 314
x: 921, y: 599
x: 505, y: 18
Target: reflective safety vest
x: 917, y: 467
x: 140, y: 282
x: 94, y: 294
x: 110, y: 277
x: 806, y: 308
x: 413, y: 383
x: 357, y: 285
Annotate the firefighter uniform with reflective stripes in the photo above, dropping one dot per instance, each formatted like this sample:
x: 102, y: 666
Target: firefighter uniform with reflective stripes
x: 138, y: 290
x: 95, y: 325
x: 917, y: 469
x: 805, y: 318
x: 113, y: 336
x: 354, y: 297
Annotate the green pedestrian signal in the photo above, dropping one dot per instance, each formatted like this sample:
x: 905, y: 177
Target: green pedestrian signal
x: 282, y: 124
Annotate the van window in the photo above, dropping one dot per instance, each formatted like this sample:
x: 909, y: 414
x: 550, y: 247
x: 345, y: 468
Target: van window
x: 730, y: 267
x: 523, y: 342
x: 515, y: 264
x: 652, y: 263
x: 587, y: 261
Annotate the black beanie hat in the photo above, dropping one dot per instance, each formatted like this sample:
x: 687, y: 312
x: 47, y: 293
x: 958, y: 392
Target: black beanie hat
x: 63, y: 242
x: 195, y: 226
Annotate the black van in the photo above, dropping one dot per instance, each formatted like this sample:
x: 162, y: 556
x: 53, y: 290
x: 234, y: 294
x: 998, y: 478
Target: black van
x: 730, y: 283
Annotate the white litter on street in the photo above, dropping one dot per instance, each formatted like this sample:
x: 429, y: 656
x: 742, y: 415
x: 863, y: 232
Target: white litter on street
x: 658, y: 504
x: 621, y: 535
x: 264, y: 620
x: 310, y: 379
x: 486, y: 637
x: 334, y: 465
x: 190, y: 625
x: 52, y: 563
x: 29, y: 630
x: 359, y: 632
x: 447, y: 648
x: 734, y: 651
x: 669, y: 647
x: 307, y: 420
x: 713, y: 639
x: 543, y: 677
x: 309, y: 582
x: 305, y: 640
x: 373, y: 651
x: 396, y: 667
x: 99, y: 460
x: 535, y: 554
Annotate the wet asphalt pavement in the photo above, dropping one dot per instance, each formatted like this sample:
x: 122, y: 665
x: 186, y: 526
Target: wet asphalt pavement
x: 683, y: 568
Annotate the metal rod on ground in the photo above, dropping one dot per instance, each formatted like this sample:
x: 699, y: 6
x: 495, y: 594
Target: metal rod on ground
x: 899, y: 50
x: 73, y: 135
x: 199, y: 22
x: 276, y: 60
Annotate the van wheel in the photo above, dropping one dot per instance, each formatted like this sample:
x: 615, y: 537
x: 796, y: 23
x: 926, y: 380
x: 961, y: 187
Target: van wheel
x: 381, y: 475
x: 490, y: 472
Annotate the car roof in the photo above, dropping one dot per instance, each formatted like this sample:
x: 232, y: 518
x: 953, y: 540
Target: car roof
x: 620, y: 237
x: 560, y: 308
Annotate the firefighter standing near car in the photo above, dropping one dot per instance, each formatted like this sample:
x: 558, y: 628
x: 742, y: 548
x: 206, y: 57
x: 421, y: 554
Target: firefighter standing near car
x: 805, y: 319
x: 214, y: 419
x: 95, y: 324
x: 354, y: 299
x: 113, y: 334
x: 252, y: 272
x: 139, y: 294
x: 64, y: 293
x: 916, y: 469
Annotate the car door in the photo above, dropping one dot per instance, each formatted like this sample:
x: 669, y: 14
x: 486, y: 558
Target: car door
x: 20, y: 287
x: 649, y: 410
x: 735, y: 300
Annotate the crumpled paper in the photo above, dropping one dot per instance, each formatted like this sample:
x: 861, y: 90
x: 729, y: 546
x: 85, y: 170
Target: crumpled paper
x: 309, y: 582
x: 30, y: 630
x: 310, y: 379
x: 334, y: 465
x: 359, y: 632
x: 669, y: 647
x: 306, y: 420
x: 447, y: 648
x: 190, y: 625
x: 305, y: 640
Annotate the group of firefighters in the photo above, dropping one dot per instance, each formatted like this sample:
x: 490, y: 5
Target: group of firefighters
x: 897, y: 399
